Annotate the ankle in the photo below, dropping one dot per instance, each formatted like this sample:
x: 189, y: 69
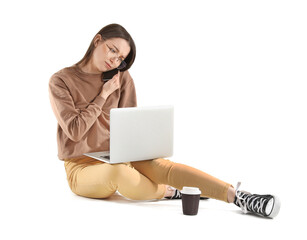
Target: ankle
x: 231, y: 194
x: 169, y: 191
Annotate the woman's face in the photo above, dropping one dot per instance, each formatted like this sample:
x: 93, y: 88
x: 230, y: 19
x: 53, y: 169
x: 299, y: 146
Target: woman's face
x: 109, y: 53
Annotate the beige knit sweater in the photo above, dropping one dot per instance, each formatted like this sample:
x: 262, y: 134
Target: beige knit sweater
x: 83, y: 116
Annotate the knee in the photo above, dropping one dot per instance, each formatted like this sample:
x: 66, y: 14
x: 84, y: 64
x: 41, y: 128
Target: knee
x: 94, y: 184
x: 151, y: 163
x: 156, y: 169
x: 162, y: 162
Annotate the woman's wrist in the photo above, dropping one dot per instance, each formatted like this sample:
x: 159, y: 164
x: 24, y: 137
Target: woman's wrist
x: 103, y: 95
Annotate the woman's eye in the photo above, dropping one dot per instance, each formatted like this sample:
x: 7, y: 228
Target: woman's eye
x: 113, y: 51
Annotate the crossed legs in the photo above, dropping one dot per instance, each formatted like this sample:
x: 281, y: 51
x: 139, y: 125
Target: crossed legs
x: 141, y: 180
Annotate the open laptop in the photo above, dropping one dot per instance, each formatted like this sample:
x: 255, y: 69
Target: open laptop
x: 139, y: 133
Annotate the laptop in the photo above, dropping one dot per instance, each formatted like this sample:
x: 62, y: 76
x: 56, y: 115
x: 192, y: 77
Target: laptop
x: 139, y: 133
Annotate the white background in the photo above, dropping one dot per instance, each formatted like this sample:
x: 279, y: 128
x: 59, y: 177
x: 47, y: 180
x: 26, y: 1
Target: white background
x: 236, y: 74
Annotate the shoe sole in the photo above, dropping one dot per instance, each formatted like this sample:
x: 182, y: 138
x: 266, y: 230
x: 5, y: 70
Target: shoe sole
x: 276, y: 207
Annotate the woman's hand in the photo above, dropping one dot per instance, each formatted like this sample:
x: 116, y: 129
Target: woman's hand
x: 110, y: 86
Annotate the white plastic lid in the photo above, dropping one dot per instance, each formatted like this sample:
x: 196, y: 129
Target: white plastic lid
x: 190, y: 190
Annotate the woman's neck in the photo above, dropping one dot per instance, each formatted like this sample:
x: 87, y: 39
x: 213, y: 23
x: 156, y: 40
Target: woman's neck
x: 89, y: 68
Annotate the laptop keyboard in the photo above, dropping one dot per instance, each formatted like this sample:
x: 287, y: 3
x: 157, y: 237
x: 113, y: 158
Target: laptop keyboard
x: 107, y: 157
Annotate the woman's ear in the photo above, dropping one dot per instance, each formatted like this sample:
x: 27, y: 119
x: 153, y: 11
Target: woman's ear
x: 97, y: 39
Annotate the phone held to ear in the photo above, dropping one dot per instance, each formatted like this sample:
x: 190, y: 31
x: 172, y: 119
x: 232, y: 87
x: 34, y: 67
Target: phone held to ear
x: 109, y: 75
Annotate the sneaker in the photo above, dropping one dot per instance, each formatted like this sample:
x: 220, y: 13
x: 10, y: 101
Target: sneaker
x: 264, y: 205
x: 178, y: 195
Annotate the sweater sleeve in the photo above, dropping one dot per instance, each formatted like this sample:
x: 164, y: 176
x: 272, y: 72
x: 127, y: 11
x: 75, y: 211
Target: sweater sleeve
x: 128, y: 93
x: 73, y: 121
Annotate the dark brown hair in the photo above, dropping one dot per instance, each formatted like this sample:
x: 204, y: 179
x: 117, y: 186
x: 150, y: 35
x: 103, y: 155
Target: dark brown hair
x: 112, y: 31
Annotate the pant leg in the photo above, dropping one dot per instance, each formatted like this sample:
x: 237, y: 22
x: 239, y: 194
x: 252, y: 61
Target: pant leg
x: 164, y: 171
x: 95, y: 179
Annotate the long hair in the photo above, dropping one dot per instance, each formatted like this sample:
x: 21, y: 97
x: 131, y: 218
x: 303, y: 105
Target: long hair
x: 112, y: 31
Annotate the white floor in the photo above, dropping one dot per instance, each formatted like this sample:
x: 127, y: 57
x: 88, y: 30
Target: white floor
x: 49, y: 210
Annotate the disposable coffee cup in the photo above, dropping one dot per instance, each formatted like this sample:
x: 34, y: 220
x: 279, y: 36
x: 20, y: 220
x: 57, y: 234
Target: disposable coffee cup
x: 190, y: 200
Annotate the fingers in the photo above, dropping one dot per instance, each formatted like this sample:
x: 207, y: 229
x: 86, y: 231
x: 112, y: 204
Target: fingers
x: 118, y: 75
x: 116, y: 80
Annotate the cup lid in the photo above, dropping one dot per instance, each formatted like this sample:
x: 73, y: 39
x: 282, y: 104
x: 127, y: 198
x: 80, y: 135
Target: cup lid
x: 190, y: 190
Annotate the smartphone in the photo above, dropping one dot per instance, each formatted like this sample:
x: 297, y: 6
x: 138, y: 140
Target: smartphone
x: 109, y: 75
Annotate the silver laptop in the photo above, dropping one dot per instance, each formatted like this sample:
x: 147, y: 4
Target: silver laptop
x: 139, y: 133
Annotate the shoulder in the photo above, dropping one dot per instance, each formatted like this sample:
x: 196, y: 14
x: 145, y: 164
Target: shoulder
x: 62, y: 75
x: 126, y: 77
x: 65, y: 72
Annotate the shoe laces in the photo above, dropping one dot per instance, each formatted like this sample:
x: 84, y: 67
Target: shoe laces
x: 177, y: 194
x: 251, y: 202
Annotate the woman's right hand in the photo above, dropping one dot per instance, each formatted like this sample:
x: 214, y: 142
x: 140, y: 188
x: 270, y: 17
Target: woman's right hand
x: 110, y: 86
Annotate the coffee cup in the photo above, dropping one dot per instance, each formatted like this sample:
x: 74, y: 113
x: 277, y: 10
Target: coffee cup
x: 190, y: 200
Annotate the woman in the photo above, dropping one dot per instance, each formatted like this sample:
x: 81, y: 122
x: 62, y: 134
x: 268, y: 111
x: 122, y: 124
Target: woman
x: 81, y: 101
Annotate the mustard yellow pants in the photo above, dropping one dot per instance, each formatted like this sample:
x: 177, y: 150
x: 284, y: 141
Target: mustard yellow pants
x: 143, y: 180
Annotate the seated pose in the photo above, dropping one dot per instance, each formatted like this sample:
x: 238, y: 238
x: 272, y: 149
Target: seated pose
x: 81, y: 100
